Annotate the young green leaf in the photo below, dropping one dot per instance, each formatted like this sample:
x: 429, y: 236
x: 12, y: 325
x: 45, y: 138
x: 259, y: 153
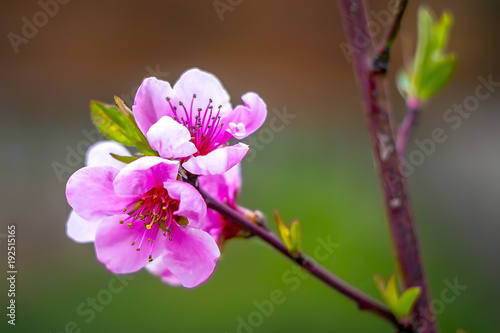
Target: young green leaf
x: 283, y: 231
x: 400, y: 306
x: 125, y: 159
x: 392, y: 294
x: 119, y: 126
x: 291, y: 237
x: 431, y: 68
x: 407, y: 301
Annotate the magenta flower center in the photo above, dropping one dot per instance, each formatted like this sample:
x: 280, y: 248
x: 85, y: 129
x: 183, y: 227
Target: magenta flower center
x: 205, y: 125
x: 154, y: 211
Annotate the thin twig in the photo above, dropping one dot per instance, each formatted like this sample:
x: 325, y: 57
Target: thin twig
x: 405, y: 129
x: 364, y: 301
x: 376, y: 104
x: 381, y: 59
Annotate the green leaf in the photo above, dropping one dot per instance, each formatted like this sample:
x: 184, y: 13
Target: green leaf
x: 125, y: 159
x: 392, y: 294
x: 113, y: 123
x: 283, y: 231
x: 437, y: 77
x: 291, y: 236
x: 119, y: 126
x: 431, y: 69
x: 400, y: 306
x: 407, y: 301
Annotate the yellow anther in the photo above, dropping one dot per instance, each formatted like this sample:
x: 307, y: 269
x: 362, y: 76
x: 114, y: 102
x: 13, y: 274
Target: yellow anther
x: 129, y: 225
x: 149, y: 225
x: 150, y: 258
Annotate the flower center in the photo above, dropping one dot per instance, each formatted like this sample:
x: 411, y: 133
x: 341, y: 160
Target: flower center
x: 205, y: 126
x: 154, y: 211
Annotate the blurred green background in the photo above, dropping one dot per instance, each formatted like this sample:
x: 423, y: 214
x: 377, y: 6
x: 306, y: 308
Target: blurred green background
x: 318, y: 168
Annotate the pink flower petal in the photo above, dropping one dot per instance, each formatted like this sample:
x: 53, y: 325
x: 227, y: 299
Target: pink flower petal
x: 170, y: 139
x: 245, y: 120
x: 234, y: 182
x: 214, y: 225
x: 113, y: 244
x: 150, y: 104
x: 214, y: 185
x: 191, y: 255
x: 191, y: 203
x: 79, y: 229
x: 237, y: 130
x: 90, y: 193
x: 217, y: 161
x: 158, y: 268
x: 144, y: 174
x: 99, y: 154
x: 206, y: 86
x: 223, y: 187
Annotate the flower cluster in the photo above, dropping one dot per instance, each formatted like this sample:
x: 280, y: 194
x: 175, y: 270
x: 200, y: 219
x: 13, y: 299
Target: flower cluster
x: 138, y: 211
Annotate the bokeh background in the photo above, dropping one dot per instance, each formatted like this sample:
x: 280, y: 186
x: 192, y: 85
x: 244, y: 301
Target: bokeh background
x: 318, y: 168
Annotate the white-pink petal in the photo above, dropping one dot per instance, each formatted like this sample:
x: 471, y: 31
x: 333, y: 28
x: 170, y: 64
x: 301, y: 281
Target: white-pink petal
x: 205, y: 86
x: 144, y: 174
x: 191, y: 203
x: 234, y: 182
x: 113, y: 245
x: 91, y: 194
x: 217, y: 161
x: 99, y: 154
x: 191, y: 256
x: 223, y: 187
x: 158, y: 268
x: 237, y: 130
x: 79, y: 229
x: 251, y: 116
x: 170, y: 139
x: 150, y: 104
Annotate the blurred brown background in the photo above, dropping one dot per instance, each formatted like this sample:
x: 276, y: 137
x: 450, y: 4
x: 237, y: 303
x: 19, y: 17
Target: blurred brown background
x: 318, y: 168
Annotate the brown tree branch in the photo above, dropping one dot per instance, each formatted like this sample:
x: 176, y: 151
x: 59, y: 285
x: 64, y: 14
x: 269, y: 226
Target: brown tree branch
x: 364, y: 301
x: 372, y: 85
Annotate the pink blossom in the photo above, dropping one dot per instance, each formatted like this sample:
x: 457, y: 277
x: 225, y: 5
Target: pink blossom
x: 194, y: 119
x: 224, y: 188
x: 139, y: 215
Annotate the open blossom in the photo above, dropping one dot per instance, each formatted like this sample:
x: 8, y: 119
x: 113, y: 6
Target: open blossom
x: 224, y: 188
x: 139, y: 215
x: 193, y: 121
